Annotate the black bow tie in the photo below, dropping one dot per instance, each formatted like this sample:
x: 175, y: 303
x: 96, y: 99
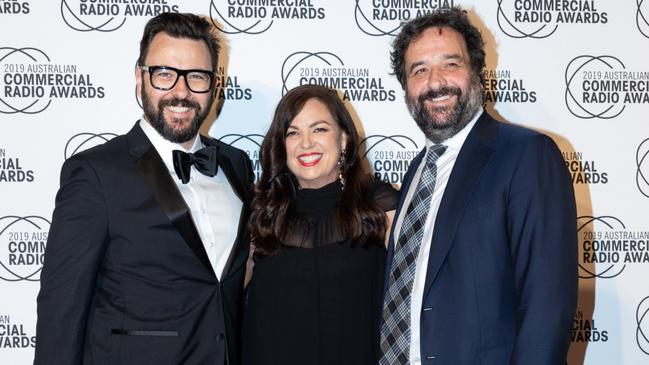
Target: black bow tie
x: 205, y: 160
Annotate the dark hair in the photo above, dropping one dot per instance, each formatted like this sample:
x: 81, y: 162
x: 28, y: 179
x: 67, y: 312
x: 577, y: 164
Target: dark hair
x: 454, y: 18
x: 359, y: 216
x: 180, y: 25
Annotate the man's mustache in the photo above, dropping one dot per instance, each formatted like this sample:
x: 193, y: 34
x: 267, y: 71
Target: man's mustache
x: 179, y: 102
x: 436, y: 93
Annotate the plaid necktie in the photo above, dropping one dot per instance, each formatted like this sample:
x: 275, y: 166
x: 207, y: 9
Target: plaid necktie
x: 395, y: 328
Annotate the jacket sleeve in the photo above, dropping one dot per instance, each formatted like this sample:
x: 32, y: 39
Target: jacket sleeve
x: 74, y: 251
x: 542, y: 228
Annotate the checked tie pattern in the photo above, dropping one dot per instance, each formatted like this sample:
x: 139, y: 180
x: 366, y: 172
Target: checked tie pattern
x: 395, y: 327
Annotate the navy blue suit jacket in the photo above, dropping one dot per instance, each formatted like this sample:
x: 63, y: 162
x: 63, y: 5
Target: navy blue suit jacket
x: 501, y: 281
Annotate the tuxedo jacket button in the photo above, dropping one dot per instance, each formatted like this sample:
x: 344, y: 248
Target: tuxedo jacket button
x: 220, y: 337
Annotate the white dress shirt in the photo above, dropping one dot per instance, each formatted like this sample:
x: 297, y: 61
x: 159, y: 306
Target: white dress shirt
x: 214, y: 206
x: 445, y: 165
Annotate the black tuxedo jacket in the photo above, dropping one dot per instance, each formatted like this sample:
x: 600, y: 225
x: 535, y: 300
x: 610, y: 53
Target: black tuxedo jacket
x: 126, y: 279
x: 501, y: 279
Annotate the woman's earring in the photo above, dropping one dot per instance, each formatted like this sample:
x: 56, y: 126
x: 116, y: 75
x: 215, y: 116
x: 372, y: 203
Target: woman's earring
x: 341, y: 165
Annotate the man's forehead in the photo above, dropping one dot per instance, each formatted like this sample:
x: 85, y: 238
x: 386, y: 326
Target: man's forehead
x: 439, y: 36
x: 442, y: 31
x: 164, y: 45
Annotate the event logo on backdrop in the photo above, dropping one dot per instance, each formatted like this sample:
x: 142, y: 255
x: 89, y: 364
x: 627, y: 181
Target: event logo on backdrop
x: 584, y: 171
x: 257, y: 16
x: 250, y: 144
x: 109, y: 16
x: 12, y: 169
x: 14, y: 7
x: 585, y: 330
x: 607, y: 247
x: 385, y: 17
x: 602, y: 87
x: 328, y: 69
x: 501, y: 87
x: 642, y: 323
x: 22, y: 247
x: 31, y: 80
x: 389, y: 156
x: 13, y: 334
x: 642, y: 163
x: 642, y: 17
x: 541, y: 18
x: 85, y: 140
x: 229, y: 88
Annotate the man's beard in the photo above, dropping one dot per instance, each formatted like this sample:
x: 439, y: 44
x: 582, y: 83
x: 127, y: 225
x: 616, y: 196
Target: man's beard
x: 166, y: 128
x: 442, y: 123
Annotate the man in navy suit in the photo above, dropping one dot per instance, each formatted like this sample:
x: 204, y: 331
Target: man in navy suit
x: 146, y: 254
x: 482, y: 262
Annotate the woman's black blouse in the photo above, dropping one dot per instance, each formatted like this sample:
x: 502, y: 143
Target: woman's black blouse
x: 319, y: 300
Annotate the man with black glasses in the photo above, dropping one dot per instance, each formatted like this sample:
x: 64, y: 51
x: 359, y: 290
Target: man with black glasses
x: 146, y: 254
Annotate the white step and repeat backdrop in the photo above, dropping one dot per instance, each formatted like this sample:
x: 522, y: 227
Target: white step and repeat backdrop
x: 577, y: 70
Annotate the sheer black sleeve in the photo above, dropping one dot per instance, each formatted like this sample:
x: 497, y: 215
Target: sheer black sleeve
x: 386, y: 196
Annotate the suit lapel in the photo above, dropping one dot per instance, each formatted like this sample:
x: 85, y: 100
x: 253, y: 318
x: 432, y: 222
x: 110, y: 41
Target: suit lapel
x: 239, y: 251
x: 472, y: 159
x: 228, y: 169
x: 153, y: 171
x: 239, y: 188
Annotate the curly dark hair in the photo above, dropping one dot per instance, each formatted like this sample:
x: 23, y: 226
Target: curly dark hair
x: 360, y: 217
x: 180, y: 25
x: 455, y: 18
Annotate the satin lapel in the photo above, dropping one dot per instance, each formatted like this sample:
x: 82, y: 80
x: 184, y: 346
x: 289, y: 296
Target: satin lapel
x: 239, y: 250
x: 225, y: 165
x: 156, y: 176
x: 472, y: 159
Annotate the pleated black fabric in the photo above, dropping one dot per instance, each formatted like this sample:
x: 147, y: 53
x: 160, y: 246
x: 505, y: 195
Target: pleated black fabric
x: 317, y: 301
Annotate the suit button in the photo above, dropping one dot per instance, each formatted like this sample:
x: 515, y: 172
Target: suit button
x: 431, y: 357
x: 220, y: 337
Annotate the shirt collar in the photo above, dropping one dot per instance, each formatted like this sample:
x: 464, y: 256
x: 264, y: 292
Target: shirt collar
x: 164, y: 147
x: 456, y: 142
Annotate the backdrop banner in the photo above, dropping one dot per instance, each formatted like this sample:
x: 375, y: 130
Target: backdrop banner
x: 576, y: 70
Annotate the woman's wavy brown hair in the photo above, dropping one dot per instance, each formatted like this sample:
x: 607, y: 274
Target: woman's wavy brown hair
x: 357, y: 213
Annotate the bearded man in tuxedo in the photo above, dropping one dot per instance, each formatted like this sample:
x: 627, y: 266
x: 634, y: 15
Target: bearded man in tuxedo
x: 146, y: 254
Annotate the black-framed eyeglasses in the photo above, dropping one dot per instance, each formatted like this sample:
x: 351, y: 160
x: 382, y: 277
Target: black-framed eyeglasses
x: 166, y: 77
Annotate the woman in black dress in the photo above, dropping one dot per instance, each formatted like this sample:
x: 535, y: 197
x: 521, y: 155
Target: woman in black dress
x: 319, y: 226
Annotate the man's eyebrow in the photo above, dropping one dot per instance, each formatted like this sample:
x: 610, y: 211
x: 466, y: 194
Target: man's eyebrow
x: 453, y: 56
